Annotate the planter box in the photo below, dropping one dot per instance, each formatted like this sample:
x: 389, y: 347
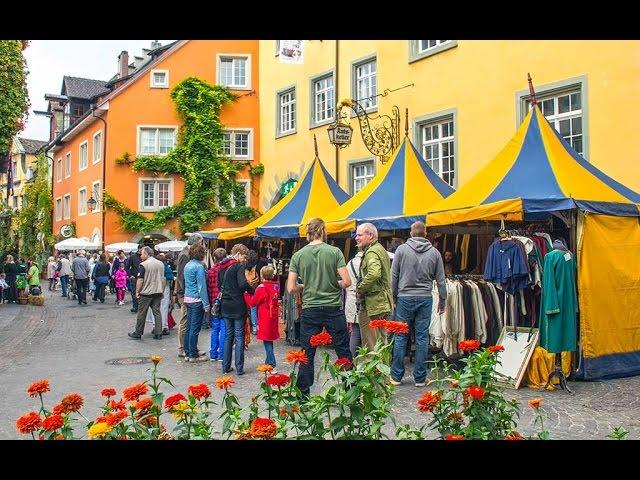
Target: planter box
x: 37, y: 300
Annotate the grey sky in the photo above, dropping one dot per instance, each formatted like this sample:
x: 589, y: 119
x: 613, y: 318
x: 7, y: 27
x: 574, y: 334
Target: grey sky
x: 49, y: 60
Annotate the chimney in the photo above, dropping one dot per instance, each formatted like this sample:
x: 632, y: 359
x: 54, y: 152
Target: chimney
x: 123, y: 64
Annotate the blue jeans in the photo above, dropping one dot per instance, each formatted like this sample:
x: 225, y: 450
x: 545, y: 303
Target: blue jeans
x: 217, y: 337
x: 195, y: 312
x: 268, y: 349
x: 416, y: 311
x: 234, y: 330
x: 254, y: 319
x: 64, y: 281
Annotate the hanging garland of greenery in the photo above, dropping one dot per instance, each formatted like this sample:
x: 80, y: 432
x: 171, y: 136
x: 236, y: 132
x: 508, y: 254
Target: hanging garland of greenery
x: 14, y: 100
x: 209, y: 177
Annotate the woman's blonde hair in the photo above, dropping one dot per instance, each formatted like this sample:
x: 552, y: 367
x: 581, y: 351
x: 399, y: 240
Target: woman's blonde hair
x: 316, y: 230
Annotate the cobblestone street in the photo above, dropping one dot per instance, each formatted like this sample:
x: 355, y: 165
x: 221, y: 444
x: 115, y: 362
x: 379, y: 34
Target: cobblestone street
x: 71, y: 345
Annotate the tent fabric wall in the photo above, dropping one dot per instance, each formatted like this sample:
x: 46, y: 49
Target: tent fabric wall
x: 609, y: 296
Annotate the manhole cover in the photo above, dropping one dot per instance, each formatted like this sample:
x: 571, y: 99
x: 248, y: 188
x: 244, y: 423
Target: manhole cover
x: 128, y: 361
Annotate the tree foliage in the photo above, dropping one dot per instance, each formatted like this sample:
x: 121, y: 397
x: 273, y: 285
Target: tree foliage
x: 14, y: 98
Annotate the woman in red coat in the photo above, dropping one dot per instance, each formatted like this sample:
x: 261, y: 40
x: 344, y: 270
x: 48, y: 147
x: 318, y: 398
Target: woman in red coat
x: 266, y: 298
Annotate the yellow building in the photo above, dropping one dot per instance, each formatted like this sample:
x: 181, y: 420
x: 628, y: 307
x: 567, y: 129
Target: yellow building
x: 22, y: 164
x: 466, y: 99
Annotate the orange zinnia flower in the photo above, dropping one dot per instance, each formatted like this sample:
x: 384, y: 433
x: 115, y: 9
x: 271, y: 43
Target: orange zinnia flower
x: 101, y: 419
x: 283, y: 411
x: 52, y: 423
x: 343, y: 363
x: 173, y: 400
x: 322, y: 338
x: 72, y: 403
x: 224, y: 382
x: 263, y: 428
x: 496, y: 348
x: 199, y: 391
x: 108, y: 392
x: 115, y: 418
x: 469, y: 345
x: 264, y: 368
x: 278, y: 380
x: 134, y: 392
x: 295, y: 408
x: 296, y: 356
x: 156, y: 359
x: 513, y: 436
x: 451, y: 436
x: 377, y: 323
x: 38, y: 388
x: 58, y: 410
x: 29, y: 423
x: 396, y: 327
x: 476, y: 392
x: 428, y: 401
x: 143, y: 404
x: 119, y: 405
x: 535, y: 403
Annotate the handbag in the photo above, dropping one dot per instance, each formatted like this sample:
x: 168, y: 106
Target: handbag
x: 170, y: 321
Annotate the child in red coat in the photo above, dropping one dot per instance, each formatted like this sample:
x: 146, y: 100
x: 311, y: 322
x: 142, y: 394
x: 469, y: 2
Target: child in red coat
x: 266, y: 298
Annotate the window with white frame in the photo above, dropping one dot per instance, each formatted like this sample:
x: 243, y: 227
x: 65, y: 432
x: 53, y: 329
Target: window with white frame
x: 66, y: 204
x: 438, y: 148
x: 67, y: 165
x: 15, y: 202
x: 426, y: 45
x: 564, y: 113
x: 156, y: 140
x: 84, y: 156
x: 361, y: 174
x: 155, y: 194
x: 236, y: 144
x: 96, y: 194
x: 323, y: 99
x: 58, y: 209
x: 59, y: 170
x: 82, y: 201
x: 159, y: 78
x: 366, y: 84
x: 238, y: 197
x: 287, y: 111
x: 233, y: 72
x: 97, y: 147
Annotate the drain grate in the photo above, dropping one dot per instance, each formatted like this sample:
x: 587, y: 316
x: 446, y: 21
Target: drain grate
x: 128, y: 361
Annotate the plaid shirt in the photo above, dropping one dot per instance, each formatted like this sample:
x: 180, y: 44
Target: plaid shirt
x: 212, y: 276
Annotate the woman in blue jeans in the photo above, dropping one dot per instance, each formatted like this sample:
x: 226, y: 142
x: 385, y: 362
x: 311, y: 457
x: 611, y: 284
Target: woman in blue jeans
x: 196, y: 299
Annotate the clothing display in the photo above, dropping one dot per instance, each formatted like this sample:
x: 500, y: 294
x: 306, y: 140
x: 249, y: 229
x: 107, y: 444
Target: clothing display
x: 291, y: 311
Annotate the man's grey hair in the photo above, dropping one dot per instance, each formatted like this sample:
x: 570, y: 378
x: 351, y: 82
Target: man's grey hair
x: 370, y: 228
x: 194, y: 238
x: 81, y: 252
x: 148, y: 250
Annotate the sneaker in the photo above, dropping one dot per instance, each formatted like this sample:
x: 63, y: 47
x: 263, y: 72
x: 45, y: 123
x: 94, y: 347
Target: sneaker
x: 187, y: 359
x: 214, y: 359
x: 165, y: 331
x: 181, y: 354
x: 420, y: 384
x: 200, y: 359
x: 394, y: 382
x: 134, y: 336
x: 220, y: 359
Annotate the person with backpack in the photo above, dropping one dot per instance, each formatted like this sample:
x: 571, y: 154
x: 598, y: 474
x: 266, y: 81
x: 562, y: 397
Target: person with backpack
x: 265, y: 300
x: 214, y: 277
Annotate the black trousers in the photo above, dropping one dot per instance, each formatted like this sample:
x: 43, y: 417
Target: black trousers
x: 312, y: 321
x: 82, y: 285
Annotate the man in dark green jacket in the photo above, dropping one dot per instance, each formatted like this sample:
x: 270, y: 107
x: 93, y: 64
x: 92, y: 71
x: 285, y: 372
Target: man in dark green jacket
x: 374, y: 284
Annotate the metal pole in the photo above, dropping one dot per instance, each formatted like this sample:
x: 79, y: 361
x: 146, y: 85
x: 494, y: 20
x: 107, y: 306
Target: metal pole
x: 337, y: 93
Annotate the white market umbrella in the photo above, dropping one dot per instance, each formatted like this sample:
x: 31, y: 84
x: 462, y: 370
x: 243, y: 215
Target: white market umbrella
x: 171, y: 246
x: 75, y: 244
x: 126, y: 246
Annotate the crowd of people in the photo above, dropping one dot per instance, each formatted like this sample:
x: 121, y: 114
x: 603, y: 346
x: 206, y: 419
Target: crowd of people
x: 18, y: 278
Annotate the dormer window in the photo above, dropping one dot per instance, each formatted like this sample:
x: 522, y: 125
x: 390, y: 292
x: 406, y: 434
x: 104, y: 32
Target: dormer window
x: 159, y: 79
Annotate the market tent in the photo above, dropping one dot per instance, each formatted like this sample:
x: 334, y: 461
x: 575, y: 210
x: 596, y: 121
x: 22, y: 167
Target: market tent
x: 171, y: 246
x: 537, y: 171
x: 75, y: 244
x: 315, y: 195
x: 126, y: 246
x: 396, y: 197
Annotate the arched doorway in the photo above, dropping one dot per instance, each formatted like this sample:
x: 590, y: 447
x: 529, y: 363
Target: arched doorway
x: 151, y: 239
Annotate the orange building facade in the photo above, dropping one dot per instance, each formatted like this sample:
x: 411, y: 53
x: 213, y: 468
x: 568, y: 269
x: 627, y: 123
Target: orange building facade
x: 138, y: 117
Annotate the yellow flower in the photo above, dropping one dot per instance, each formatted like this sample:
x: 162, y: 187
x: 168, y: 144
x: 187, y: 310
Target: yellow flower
x: 156, y: 359
x: 177, y: 411
x: 99, y: 429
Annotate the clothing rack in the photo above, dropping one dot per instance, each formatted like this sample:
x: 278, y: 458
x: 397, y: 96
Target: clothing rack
x: 465, y: 276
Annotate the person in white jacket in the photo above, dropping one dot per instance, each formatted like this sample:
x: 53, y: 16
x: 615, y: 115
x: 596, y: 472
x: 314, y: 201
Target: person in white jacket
x: 351, y: 304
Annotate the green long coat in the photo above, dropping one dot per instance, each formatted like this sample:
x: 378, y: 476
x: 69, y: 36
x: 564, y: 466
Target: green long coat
x: 375, y: 283
x: 559, y: 302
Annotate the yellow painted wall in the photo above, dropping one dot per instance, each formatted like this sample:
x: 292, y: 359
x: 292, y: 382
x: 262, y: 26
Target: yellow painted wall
x: 479, y: 78
x: 20, y: 180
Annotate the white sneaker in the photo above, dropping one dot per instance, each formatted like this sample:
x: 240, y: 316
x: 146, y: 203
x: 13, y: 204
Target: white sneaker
x: 420, y: 384
x: 394, y: 382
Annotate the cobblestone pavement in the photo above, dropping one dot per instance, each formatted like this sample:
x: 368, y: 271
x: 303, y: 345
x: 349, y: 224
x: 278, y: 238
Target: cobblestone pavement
x: 70, y: 346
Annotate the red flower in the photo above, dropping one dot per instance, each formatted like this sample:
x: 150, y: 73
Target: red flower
x: 224, y: 382
x: 343, y: 363
x: 71, y: 403
x: 52, y: 423
x: 58, y: 410
x: 377, y: 323
x: 513, y: 436
x: 101, y: 419
x: 451, y: 436
x: 535, y: 403
x: 322, y: 338
x: 199, y: 391
x: 428, y: 401
x: 173, y: 400
x: 496, y: 348
x: 278, y: 380
x: 29, y: 423
x: 476, y: 392
x: 396, y: 327
x: 38, y: 388
x: 134, y: 392
x: 108, y: 392
x: 143, y: 404
x: 296, y: 356
x: 114, y: 418
x: 119, y: 405
x: 263, y: 428
x: 469, y: 345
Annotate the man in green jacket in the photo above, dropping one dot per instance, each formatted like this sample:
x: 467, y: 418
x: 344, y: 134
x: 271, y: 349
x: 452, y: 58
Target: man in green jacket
x: 374, y: 284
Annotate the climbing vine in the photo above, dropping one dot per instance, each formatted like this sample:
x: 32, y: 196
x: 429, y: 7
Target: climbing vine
x: 209, y: 176
x: 14, y: 98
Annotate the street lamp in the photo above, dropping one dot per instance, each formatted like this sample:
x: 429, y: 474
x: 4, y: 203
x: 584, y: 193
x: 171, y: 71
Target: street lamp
x: 91, y: 203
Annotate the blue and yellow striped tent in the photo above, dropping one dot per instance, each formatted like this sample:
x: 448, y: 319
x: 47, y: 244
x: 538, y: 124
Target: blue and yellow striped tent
x: 315, y: 195
x: 396, y: 197
x: 536, y: 172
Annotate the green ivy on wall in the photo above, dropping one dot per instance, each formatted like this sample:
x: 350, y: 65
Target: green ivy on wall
x: 14, y: 99
x: 198, y: 159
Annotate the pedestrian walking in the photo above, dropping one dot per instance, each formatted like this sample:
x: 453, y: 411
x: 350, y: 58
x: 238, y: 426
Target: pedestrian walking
x: 149, y: 287
x: 121, y: 278
x: 196, y: 299
x: 183, y: 259
x: 81, y: 270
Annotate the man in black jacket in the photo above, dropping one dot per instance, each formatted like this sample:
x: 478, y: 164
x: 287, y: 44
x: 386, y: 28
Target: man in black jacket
x: 134, y: 269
